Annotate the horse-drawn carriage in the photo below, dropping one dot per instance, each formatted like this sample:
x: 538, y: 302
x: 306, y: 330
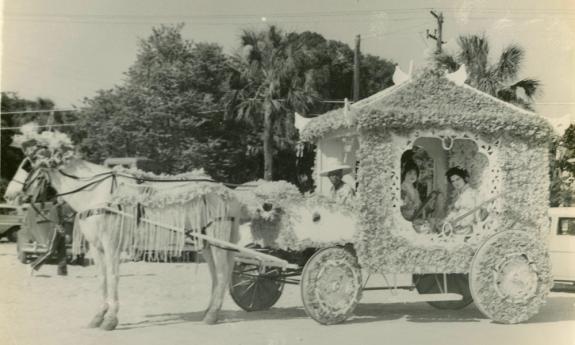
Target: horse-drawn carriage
x: 432, y: 121
x: 492, y: 253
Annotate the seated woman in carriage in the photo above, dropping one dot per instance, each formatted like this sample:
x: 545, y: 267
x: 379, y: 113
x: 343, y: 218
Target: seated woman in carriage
x: 464, y: 212
x: 429, y: 212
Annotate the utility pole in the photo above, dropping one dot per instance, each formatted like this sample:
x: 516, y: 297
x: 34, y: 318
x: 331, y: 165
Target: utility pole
x: 356, y: 69
x: 438, y: 33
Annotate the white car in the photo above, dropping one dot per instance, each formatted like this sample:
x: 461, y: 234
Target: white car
x: 562, y: 246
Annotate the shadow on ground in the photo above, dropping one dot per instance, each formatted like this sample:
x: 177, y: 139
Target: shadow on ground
x: 558, y: 308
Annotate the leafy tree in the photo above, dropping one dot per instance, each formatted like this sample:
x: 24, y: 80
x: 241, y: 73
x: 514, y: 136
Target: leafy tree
x: 10, y: 156
x: 498, y: 79
x: 11, y: 102
x: 320, y: 68
x: 168, y: 110
x: 330, y: 66
x: 269, y: 85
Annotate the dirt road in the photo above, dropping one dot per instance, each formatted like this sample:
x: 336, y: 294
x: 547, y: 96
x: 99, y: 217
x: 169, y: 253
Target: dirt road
x: 164, y: 303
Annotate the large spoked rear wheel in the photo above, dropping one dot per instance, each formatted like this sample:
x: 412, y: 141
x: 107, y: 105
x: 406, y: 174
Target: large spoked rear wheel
x: 254, y: 288
x: 331, y: 285
x: 456, y: 283
x: 510, y: 276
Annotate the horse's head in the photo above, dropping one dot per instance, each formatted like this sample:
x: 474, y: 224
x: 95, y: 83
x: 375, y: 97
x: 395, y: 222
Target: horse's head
x: 26, y: 183
x: 44, y: 152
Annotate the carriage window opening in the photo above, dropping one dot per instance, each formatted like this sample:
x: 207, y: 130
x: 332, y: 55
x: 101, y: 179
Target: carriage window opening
x: 441, y: 186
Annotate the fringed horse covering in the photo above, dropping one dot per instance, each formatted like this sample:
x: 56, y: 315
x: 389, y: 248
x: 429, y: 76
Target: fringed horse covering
x: 154, y: 218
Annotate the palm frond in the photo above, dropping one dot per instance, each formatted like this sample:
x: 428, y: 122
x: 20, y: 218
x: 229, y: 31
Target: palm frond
x: 509, y: 63
x: 446, y: 61
x: 474, y: 53
x: 532, y: 87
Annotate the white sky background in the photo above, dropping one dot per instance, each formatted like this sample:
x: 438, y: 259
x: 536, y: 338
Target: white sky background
x: 65, y: 50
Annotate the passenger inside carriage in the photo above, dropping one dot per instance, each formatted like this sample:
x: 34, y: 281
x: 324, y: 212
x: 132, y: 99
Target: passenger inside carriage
x: 439, y: 199
x: 409, y: 193
x: 418, y: 202
x: 465, y: 210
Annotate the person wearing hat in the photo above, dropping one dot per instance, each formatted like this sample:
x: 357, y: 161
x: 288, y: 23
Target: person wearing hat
x: 340, y: 191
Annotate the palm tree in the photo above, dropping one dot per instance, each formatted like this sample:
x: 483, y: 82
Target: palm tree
x: 269, y: 84
x: 498, y: 79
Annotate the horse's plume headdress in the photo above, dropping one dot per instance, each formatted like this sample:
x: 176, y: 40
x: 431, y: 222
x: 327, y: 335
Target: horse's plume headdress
x: 49, y: 149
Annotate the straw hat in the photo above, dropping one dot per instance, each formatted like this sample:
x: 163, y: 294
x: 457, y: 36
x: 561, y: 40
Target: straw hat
x: 333, y: 164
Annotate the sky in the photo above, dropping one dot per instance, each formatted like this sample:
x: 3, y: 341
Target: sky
x: 66, y: 50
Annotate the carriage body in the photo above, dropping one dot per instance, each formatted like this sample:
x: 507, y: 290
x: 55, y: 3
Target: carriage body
x: 503, y: 147
x: 500, y: 260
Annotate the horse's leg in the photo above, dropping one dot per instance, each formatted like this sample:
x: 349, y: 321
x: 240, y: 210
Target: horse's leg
x: 207, y: 253
x: 90, y: 228
x: 98, y: 256
x: 223, y: 260
x: 112, y: 258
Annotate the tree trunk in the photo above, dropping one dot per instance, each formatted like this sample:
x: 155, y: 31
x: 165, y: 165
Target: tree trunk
x: 268, y: 144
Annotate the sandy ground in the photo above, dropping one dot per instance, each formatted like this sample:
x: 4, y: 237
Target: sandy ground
x: 164, y: 303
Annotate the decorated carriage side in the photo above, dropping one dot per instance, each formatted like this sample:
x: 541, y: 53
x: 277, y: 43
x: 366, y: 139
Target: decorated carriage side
x: 452, y: 187
x: 302, y: 230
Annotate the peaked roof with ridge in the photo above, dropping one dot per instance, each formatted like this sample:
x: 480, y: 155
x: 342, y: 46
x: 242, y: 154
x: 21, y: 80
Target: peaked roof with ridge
x: 431, y: 100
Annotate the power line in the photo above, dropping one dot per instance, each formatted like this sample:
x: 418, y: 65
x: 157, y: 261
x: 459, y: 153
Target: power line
x: 38, y: 111
x: 72, y: 124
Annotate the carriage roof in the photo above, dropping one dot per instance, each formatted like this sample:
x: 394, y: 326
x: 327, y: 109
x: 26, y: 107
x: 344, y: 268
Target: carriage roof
x: 432, y: 99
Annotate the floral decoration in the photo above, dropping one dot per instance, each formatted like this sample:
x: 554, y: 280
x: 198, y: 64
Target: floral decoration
x: 274, y: 226
x: 488, y: 265
x: 328, y: 122
x: 47, y: 149
x: 430, y: 101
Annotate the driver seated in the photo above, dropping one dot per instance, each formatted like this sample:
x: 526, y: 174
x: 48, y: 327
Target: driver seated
x: 340, y: 191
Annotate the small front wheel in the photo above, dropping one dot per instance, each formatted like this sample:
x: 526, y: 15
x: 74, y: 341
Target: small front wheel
x: 254, y: 288
x: 331, y: 285
x: 456, y: 283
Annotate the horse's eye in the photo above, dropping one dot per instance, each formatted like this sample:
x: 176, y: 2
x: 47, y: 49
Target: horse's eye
x: 267, y: 207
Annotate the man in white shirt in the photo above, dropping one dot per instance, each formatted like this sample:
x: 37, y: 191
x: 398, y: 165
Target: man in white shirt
x: 340, y: 191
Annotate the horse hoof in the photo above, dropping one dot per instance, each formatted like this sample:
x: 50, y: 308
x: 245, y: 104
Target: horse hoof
x: 211, y: 318
x: 109, y: 323
x: 96, y: 321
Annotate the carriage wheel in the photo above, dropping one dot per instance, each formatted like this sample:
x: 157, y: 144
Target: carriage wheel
x: 456, y: 283
x: 510, y: 276
x: 331, y: 285
x: 254, y: 289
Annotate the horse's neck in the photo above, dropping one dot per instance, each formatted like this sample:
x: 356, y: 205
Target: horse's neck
x: 96, y: 194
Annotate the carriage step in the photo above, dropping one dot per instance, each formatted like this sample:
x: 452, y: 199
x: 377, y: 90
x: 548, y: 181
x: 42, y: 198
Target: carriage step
x: 414, y: 297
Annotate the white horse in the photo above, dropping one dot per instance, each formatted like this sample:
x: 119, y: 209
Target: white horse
x: 91, y: 189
